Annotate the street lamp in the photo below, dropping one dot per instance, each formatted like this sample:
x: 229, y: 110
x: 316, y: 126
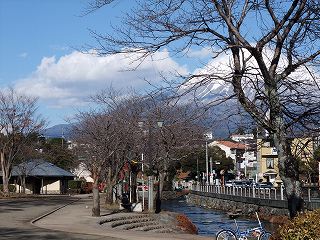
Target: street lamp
x: 158, y: 198
x: 207, y: 164
x: 208, y: 136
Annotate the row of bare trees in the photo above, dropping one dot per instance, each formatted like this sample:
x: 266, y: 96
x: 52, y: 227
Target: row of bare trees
x: 19, y: 124
x: 109, y: 138
x: 272, y: 60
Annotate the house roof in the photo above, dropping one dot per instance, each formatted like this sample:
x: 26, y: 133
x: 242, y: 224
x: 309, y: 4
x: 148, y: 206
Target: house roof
x: 232, y: 145
x: 183, y: 175
x: 40, y: 167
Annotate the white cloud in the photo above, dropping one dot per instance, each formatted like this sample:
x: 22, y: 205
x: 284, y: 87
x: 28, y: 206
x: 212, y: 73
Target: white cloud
x: 23, y: 55
x: 200, y: 53
x: 70, y: 79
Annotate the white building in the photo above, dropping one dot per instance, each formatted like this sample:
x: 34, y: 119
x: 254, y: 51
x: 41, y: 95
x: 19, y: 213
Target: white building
x: 244, y: 158
x: 242, y: 137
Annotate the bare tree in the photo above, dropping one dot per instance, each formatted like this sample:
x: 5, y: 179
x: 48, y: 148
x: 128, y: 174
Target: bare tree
x: 25, y: 160
x: 105, y: 140
x: 182, y: 128
x: 273, y: 48
x: 97, y: 141
x: 110, y: 138
x: 18, y: 123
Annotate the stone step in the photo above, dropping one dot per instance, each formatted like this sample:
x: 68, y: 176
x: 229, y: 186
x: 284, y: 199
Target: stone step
x: 134, y: 226
x: 122, y: 217
x: 117, y: 223
x: 155, y: 226
x: 164, y: 230
x: 137, y: 222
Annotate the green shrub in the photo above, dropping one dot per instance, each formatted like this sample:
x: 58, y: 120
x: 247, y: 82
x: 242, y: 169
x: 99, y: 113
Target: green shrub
x: 304, y: 227
x: 75, y: 184
x: 12, y: 188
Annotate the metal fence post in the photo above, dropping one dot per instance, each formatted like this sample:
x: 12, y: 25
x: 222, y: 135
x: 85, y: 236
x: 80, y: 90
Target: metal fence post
x: 150, y: 193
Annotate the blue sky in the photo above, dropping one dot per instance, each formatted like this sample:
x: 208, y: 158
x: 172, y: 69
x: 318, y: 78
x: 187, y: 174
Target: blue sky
x: 38, y: 44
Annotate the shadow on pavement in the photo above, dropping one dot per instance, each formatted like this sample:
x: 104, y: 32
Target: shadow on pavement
x: 8, y: 206
x: 41, y: 234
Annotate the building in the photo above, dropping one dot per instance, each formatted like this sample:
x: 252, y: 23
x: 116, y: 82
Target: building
x: 243, y: 155
x: 267, y: 157
x: 41, y: 177
x: 242, y: 137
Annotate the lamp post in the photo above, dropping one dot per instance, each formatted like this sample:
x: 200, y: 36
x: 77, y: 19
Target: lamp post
x: 142, y: 176
x: 207, y: 164
x: 207, y: 136
x: 158, y: 199
x: 141, y: 124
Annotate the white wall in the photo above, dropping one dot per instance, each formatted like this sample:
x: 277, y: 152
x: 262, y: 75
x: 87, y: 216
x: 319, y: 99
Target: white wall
x: 226, y: 149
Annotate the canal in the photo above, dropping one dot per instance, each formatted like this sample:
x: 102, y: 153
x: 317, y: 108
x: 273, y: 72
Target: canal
x: 209, y: 221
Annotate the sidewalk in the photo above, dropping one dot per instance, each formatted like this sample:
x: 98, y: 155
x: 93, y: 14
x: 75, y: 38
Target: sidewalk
x: 76, y: 218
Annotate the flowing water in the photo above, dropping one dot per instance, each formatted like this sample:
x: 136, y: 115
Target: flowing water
x: 209, y: 221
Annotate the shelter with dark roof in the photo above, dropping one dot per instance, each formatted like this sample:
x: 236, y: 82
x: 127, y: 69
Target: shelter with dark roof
x: 41, y: 177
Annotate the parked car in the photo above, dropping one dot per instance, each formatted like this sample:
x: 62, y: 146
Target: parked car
x: 264, y: 185
x: 229, y: 183
x: 239, y: 183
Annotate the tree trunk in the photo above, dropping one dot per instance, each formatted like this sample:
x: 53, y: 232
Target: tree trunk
x: 5, y: 180
x: 289, y: 173
x: 23, y: 184
x: 134, y: 186
x: 5, y: 174
x: 162, y: 177
x: 96, y: 198
x: 109, y: 194
x: 109, y: 184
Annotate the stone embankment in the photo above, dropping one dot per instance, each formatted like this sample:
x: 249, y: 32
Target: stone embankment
x: 274, y: 215
x: 170, y: 195
x: 165, y: 222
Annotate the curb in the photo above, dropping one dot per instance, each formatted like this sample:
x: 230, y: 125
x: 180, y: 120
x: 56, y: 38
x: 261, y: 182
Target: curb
x: 52, y: 211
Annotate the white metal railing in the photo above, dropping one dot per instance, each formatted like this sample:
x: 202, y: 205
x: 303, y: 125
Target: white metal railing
x: 254, y: 192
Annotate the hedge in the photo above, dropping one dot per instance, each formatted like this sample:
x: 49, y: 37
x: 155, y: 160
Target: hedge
x: 75, y: 184
x: 12, y: 188
x: 305, y: 226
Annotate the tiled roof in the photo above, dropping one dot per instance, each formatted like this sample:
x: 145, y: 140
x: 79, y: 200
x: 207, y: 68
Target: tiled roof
x: 40, y: 167
x: 232, y: 145
x: 183, y: 175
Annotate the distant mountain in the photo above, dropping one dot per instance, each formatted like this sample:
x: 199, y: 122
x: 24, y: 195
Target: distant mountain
x: 58, y: 131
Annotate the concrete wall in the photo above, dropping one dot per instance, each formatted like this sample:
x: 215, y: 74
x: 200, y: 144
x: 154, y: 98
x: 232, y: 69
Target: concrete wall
x: 248, y: 206
x: 49, y: 187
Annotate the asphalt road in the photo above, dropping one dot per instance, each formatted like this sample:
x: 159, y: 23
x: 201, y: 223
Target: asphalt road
x: 16, y: 216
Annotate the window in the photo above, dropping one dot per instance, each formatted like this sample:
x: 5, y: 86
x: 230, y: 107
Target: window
x: 270, y: 163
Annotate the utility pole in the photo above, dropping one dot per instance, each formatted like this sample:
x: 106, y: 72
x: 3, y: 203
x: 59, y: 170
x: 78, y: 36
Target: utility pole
x: 198, y: 177
x: 62, y: 137
x: 207, y: 164
x: 211, y: 172
x: 142, y: 169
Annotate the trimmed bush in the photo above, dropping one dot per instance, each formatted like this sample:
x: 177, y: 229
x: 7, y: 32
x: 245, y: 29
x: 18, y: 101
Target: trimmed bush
x: 12, y: 188
x: 75, y: 184
x: 305, y: 226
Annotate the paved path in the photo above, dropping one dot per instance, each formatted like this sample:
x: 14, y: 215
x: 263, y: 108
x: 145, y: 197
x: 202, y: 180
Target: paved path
x: 19, y: 220
x: 77, y: 218
x: 16, y: 216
